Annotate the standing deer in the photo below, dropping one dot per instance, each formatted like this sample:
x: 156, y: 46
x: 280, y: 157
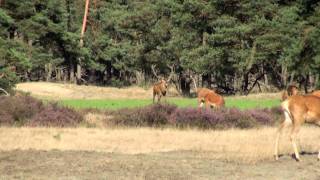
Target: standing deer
x: 160, y: 88
x: 208, y: 97
x: 297, y: 110
x: 290, y: 91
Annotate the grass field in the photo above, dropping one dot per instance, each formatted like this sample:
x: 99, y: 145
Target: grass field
x: 180, y: 102
x: 114, y: 98
x: 149, y: 153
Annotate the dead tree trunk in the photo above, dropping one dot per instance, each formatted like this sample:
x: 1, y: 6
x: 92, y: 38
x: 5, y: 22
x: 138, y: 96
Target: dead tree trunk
x: 84, y: 23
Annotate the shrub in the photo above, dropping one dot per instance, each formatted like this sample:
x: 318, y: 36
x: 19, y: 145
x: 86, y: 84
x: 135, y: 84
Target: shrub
x: 26, y: 110
x: 15, y: 110
x: 208, y: 119
x: 239, y: 119
x: 155, y: 115
x: 56, y: 116
x: 159, y: 115
x: 262, y: 116
x: 191, y: 117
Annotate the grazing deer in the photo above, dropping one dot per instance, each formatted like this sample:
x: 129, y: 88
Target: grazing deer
x: 160, y: 88
x: 208, y: 97
x: 297, y: 110
x: 290, y: 91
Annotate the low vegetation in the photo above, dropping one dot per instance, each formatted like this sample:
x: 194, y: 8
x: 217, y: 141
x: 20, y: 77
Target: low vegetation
x: 114, y: 104
x: 162, y: 115
x: 24, y: 110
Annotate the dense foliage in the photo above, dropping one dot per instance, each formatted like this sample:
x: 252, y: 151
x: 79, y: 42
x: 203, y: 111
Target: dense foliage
x: 232, y: 45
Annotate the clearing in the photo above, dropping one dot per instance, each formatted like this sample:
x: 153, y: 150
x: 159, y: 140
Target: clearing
x: 148, y: 153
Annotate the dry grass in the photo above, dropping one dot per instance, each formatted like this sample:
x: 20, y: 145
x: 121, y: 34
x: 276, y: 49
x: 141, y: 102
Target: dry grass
x: 73, y: 91
x: 230, y: 145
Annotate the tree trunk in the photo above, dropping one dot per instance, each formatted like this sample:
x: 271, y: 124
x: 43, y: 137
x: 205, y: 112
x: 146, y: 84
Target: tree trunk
x: 245, y: 83
x: 78, y: 74
x: 72, y: 78
x: 204, y: 38
x: 306, y: 83
x: 316, y: 81
x: 48, y: 70
x: 139, y: 77
x: 284, y: 76
x: 84, y: 23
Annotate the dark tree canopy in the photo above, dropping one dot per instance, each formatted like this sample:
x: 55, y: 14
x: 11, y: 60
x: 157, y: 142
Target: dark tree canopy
x: 234, y: 46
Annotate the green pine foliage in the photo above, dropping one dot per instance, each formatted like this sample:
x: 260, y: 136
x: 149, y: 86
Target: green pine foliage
x: 233, y: 45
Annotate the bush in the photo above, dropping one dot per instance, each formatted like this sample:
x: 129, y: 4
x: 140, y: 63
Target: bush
x: 160, y: 115
x: 18, y: 109
x: 26, y: 110
x: 208, y: 119
x: 55, y: 116
x: 155, y: 115
x: 262, y: 116
x: 191, y: 117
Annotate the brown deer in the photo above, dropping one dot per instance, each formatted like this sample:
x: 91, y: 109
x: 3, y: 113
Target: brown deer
x: 208, y: 97
x: 290, y: 91
x: 316, y: 93
x: 160, y: 88
x: 298, y: 109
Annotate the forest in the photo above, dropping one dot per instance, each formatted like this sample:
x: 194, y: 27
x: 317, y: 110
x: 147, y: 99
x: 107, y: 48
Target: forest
x: 233, y: 46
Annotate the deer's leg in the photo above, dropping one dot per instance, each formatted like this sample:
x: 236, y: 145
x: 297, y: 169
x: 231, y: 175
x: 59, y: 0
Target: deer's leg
x: 208, y: 105
x: 200, y: 104
x: 154, y: 95
x: 287, y: 121
x: 318, y: 123
x: 159, y: 97
x: 293, y: 135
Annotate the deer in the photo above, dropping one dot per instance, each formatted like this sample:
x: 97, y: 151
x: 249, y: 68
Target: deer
x: 316, y: 93
x: 298, y: 109
x: 290, y: 91
x: 160, y: 88
x: 208, y: 97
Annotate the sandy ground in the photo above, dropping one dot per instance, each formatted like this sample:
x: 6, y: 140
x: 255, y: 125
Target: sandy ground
x: 72, y: 91
x: 146, y: 153
x: 249, y: 146
x: 56, y: 164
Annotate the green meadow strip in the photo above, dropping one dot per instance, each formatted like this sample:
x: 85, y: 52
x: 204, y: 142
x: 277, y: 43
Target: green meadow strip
x: 180, y: 102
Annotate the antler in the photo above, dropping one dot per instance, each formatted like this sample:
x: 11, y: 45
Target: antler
x: 4, y: 91
x: 194, y: 82
x: 171, y: 72
x: 154, y: 71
